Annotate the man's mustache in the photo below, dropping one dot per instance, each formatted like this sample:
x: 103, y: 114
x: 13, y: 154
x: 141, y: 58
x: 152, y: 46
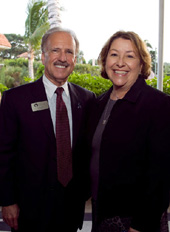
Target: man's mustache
x: 61, y: 63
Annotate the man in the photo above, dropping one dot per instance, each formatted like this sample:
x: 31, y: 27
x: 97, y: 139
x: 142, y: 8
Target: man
x: 32, y: 196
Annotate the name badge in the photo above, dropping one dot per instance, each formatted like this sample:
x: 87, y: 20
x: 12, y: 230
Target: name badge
x: 38, y: 106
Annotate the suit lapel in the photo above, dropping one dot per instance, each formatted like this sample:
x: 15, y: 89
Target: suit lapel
x: 44, y: 116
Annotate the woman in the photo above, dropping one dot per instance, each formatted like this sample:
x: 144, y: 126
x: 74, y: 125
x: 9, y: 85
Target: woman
x: 129, y: 129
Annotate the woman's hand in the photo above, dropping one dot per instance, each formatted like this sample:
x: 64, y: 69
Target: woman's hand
x: 133, y: 230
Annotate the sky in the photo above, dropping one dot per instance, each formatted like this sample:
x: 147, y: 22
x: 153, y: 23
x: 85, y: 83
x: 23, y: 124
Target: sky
x: 94, y: 21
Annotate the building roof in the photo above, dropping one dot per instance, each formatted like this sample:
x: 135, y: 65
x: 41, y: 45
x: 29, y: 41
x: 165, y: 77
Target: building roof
x: 23, y: 55
x: 4, y: 43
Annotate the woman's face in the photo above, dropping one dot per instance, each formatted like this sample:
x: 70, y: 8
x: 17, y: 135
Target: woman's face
x: 122, y: 64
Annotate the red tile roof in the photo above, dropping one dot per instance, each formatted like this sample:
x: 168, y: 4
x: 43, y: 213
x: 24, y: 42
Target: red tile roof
x: 4, y: 43
x: 23, y: 55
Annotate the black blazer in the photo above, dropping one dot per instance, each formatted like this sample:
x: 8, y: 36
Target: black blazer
x: 134, y: 156
x: 28, y: 174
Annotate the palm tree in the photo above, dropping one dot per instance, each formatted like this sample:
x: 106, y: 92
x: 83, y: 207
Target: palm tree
x: 35, y: 26
x: 148, y: 45
x: 153, y: 55
x: 80, y: 58
x: 54, y: 13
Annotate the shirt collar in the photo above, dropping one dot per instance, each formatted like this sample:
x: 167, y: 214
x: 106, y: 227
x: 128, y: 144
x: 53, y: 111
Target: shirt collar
x: 132, y: 95
x: 50, y: 88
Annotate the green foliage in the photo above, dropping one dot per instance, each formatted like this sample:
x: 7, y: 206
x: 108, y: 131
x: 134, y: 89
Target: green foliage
x: 17, y: 46
x: 80, y: 58
x: 166, y: 84
x: 36, y: 23
x: 15, y: 72
x: 167, y: 69
x: 27, y: 79
x: 79, y: 68
x: 12, y: 76
x: 2, y: 88
x: 153, y: 55
x: 87, y: 68
x: 91, y: 62
x: 86, y: 76
x: 21, y: 62
x: 152, y: 82
x: 40, y: 71
x: 96, y: 84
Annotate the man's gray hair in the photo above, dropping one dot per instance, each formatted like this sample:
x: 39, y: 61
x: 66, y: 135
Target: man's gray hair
x: 58, y: 29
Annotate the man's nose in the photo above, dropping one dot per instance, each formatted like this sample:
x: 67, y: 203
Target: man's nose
x: 62, y: 56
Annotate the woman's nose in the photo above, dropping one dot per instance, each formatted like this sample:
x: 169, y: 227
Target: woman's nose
x: 120, y: 62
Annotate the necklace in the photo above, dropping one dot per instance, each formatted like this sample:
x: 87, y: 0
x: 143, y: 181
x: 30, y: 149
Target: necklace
x: 107, y: 111
x: 115, y: 96
x: 121, y: 94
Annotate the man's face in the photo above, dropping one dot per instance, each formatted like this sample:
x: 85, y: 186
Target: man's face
x: 59, y: 57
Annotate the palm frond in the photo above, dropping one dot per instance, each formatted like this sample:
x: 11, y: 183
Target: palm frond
x: 35, y: 38
x: 37, y: 15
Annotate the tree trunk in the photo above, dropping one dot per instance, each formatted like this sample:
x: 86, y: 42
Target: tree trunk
x: 54, y: 13
x: 31, y: 62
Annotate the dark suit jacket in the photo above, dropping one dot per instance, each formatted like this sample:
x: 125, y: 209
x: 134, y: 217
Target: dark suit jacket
x: 28, y: 154
x: 134, y: 156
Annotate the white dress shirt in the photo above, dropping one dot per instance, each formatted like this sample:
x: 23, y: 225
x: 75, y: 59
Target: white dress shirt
x: 50, y: 89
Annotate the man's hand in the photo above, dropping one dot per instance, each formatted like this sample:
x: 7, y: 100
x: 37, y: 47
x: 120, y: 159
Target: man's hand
x: 10, y: 215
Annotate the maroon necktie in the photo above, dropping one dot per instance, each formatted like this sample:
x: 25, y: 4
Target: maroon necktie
x: 63, y: 142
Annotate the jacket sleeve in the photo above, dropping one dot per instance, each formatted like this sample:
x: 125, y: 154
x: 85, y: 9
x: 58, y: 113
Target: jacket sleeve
x: 156, y: 195
x: 8, y: 148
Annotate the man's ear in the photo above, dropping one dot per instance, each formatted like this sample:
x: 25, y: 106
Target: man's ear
x: 43, y: 58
